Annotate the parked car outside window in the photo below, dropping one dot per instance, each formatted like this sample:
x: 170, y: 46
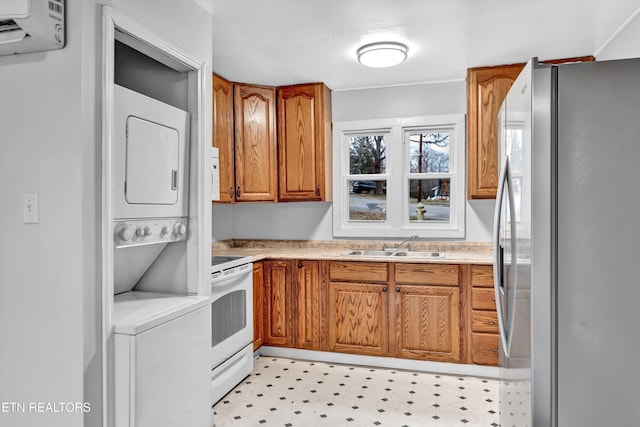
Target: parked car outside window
x: 367, y: 187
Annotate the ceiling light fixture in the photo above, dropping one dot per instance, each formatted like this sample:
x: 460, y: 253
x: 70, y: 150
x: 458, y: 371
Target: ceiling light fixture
x: 382, y: 54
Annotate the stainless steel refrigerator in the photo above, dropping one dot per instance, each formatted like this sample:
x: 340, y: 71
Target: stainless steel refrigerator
x: 567, y: 246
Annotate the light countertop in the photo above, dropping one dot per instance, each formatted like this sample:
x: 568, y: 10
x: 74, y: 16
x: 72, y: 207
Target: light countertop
x: 454, y: 252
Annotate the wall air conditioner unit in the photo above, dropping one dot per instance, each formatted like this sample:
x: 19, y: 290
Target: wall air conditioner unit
x: 31, y: 25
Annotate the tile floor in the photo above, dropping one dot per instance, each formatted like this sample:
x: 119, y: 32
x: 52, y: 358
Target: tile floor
x: 291, y: 393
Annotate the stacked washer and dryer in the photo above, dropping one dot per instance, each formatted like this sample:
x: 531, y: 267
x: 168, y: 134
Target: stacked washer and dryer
x: 161, y: 326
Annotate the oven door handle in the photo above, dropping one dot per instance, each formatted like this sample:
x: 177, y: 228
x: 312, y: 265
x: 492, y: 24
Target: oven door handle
x: 237, y: 271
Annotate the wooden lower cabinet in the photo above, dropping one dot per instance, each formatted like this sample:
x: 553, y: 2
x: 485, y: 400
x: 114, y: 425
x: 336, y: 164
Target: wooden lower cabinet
x: 483, y: 319
x: 414, y: 312
x: 435, y: 312
x: 292, y: 304
x: 308, y: 305
x: 484, y: 349
x: 278, y: 304
x: 358, y: 318
x: 427, y: 311
x: 427, y: 320
x: 258, y: 305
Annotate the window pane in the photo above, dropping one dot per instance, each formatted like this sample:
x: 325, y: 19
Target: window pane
x: 429, y: 200
x: 367, y: 200
x: 367, y: 154
x: 429, y: 152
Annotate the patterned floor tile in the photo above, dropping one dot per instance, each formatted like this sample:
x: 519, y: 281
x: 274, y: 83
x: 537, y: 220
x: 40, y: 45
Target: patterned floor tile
x: 294, y: 393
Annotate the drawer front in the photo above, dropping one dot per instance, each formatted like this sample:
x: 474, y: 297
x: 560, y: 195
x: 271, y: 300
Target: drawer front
x: 358, y: 271
x: 484, y: 349
x: 483, y: 299
x: 484, y: 321
x: 482, y: 276
x: 431, y: 274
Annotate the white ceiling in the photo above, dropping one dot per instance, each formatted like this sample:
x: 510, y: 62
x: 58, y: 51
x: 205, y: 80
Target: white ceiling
x: 279, y: 42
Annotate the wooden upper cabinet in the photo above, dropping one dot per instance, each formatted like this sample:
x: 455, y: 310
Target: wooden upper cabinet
x: 304, y: 142
x: 255, y: 143
x: 486, y: 89
x: 223, y: 135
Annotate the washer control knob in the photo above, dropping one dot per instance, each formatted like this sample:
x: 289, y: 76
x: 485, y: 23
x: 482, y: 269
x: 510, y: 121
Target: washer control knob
x: 123, y: 234
x: 164, y: 231
x: 140, y: 232
x: 179, y: 229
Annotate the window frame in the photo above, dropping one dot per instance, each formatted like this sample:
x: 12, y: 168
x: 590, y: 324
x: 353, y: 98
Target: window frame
x: 397, y: 223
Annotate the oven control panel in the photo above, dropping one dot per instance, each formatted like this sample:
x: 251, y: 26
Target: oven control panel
x: 149, y: 231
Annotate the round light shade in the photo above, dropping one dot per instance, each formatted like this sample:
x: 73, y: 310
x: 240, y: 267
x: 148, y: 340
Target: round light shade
x: 382, y: 54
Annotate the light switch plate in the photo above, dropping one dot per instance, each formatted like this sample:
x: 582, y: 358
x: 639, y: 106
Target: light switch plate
x: 30, y: 208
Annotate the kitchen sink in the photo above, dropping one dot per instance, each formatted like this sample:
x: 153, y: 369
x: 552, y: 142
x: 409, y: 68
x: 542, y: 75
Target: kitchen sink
x: 369, y: 253
x: 407, y: 254
x: 419, y: 254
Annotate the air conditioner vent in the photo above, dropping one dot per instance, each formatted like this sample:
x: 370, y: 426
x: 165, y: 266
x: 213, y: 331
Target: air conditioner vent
x: 8, y: 25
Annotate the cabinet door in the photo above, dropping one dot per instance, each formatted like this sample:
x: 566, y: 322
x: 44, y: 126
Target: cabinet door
x: 427, y: 320
x: 258, y: 305
x: 278, y: 297
x: 255, y: 143
x: 304, y: 142
x: 486, y: 89
x: 308, y: 317
x: 223, y: 135
x: 358, y: 318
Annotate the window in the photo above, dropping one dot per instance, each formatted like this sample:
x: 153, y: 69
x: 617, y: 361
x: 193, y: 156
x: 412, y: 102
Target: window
x: 395, y: 177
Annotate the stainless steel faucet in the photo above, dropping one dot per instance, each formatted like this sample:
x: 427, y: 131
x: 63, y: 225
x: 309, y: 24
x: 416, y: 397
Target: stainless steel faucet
x: 396, y: 247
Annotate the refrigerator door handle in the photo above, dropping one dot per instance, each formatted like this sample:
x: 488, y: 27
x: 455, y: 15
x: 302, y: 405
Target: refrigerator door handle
x: 505, y: 293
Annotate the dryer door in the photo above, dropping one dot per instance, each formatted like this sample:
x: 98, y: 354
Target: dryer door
x: 152, y: 163
x: 150, y: 154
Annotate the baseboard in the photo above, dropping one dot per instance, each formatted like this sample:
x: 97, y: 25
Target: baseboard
x: 380, y: 362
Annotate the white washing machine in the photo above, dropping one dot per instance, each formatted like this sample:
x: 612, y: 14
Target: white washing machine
x: 162, y: 360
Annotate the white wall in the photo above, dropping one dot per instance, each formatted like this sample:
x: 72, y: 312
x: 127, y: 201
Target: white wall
x: 50, y: 143
x: 313, y: 221
x: 625, y: 44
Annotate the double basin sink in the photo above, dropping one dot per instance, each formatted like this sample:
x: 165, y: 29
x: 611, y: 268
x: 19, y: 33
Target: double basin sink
x: 394, y: 253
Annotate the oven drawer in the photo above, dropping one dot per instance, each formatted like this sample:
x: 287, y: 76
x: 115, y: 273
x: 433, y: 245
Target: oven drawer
x: 229, y: 374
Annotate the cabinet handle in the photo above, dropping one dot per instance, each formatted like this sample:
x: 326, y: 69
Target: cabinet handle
x: 318, y: 191
x: 300, y: 265
x: 495, y: 350
x: 238, y: 191
x: 231, y: 192
x: 493, y: 322
x: 493, y: 299
x: 384, y: 289
x: 397, y: 289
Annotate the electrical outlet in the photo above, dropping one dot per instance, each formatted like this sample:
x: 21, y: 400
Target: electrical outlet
x: 30, y: 208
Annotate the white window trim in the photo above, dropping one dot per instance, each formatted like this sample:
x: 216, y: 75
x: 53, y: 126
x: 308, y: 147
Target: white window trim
x: 397, y: 223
